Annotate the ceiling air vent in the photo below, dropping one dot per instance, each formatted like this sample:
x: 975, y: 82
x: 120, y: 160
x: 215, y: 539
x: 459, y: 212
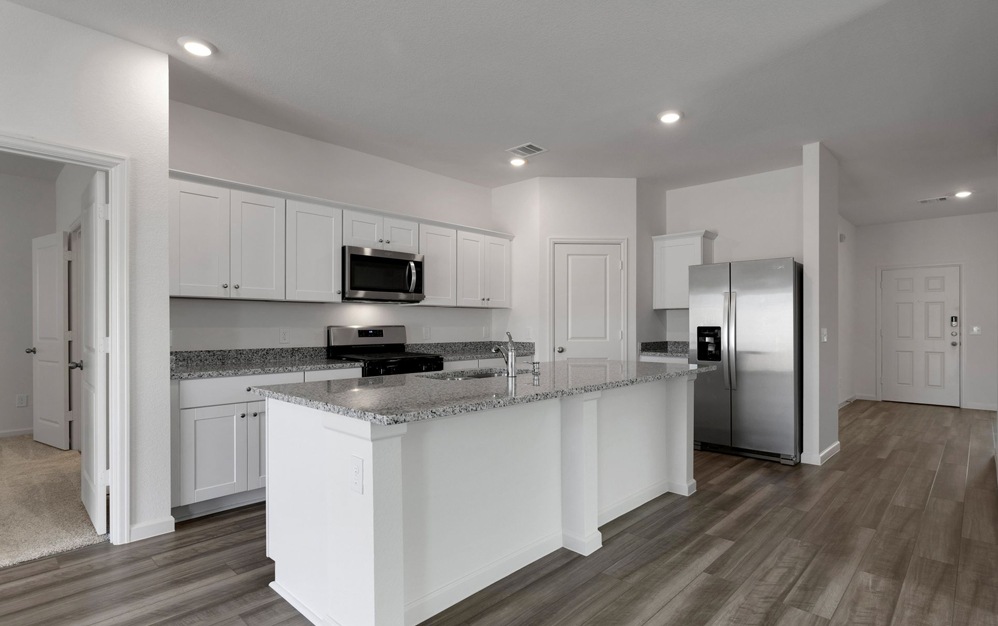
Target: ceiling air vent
x: 933, y: 200
x: 526, y: 150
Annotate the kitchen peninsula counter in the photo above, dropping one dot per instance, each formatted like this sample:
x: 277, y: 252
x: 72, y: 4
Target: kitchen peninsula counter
x: 392, y: 498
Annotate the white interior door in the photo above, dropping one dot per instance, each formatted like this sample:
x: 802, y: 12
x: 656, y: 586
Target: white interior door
x: 588, y: 301
x: 920, y: 330
x: 49, y: 330
x: 93, y: 387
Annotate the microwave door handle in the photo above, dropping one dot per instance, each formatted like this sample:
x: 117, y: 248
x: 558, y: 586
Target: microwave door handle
x: 411, y: 272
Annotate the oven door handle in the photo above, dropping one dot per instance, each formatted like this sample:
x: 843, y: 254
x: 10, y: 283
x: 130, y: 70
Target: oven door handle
x: 410, y: 272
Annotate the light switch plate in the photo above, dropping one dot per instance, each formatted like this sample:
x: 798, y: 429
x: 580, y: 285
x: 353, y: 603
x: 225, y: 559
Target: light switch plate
x: 975, y: 330
x: 22, y: 400
x: 357, y: 474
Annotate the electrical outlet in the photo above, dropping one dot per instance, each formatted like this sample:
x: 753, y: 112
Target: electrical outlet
x: 485, y: 332
x: 285, y: 335
x: 426, y: 333
x: 356, y: 474
x: 530, y: 333
x: 22, y: 400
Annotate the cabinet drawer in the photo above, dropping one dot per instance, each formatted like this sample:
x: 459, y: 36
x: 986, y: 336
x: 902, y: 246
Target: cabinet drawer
x: 212, y: 391
x: 353, y: 372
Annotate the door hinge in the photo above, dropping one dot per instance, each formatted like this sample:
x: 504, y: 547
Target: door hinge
x: 621, y: 334
x: 107, y: 477
x: 104, y: 212
x: 105, y: 345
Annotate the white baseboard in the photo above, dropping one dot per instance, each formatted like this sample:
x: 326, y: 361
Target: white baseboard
x: 633, y: 501
x: 429, y: 605
x: 301, y: 608
x: 217, y: 505
x: 582, y: 545
x: 865, y: 397
x: 16, y: 432
x: 979, y: 406
x: 822, y: 458
x: 848, y: 400
x: 684, y: 490
x: 146, y: 530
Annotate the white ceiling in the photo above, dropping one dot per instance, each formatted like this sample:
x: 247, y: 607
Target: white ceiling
x: 29, y: 167
x: 904, y: 92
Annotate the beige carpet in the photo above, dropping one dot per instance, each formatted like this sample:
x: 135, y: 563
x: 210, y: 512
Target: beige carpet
x: 40, y: 508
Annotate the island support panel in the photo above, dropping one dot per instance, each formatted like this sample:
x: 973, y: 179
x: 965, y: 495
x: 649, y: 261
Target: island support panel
x: 451, y: 505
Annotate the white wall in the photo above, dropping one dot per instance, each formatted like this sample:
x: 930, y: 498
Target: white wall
x: 651, y: 221
x: 69, y: 188
x: 228, y: 324
x: 847, y: 310
x: 83, y: 88
x: 821, y: 303
x: 27, y: 210
x: 583, y: 208
x: 212, y: 144
x: 970, y: 240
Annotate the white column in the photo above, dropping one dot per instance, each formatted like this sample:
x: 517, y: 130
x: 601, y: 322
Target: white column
x: 579, y: 474
x: 679, y: 396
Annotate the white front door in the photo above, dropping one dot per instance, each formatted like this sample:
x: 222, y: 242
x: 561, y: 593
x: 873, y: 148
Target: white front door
x: 93, y: 387
x: 588, y: 301
x: 920, y: 329
x: 49, y: 329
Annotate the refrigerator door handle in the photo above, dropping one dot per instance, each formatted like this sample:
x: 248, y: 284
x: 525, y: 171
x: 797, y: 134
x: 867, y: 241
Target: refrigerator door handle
x: 724, y: 339
x: 733, y: 339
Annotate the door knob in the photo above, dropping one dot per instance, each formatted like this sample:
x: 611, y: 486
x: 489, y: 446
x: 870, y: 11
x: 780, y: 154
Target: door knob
x: 76, y: 365
x: 560, y: 350
x: 31, y: 351
x: 953, y: 343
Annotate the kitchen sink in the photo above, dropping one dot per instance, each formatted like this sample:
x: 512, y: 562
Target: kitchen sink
x: 472, y: 374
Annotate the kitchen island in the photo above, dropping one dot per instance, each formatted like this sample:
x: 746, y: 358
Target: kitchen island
x: 391, y: 498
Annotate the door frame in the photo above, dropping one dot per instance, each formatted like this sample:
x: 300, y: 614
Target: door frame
x: 116, y: 167
x: 625, y: 286
x: 879, y: 278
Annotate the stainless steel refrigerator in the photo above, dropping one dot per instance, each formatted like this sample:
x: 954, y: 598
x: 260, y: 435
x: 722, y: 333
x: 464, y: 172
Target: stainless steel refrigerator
x: 745, y: 318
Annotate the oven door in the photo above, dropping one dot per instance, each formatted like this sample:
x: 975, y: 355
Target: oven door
x: 382, y: 275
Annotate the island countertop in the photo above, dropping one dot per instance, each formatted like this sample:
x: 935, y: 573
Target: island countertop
x: 414, y: 397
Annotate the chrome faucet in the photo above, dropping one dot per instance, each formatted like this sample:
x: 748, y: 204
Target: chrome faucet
x: 509, y: 355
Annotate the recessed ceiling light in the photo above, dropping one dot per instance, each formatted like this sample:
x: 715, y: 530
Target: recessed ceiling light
x: 671, y: 117
x: 963, y: 194
x: 197, y: 47
x: 517, y: 162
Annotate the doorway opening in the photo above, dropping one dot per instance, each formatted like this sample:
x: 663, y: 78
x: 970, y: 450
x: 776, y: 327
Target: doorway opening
x: 75, y: 304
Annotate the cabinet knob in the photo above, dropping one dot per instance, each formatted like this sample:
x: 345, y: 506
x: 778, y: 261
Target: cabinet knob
x: 488, y: 299
x: 255, y: 414
x: 388, y: 240
x: 560, y: 350
x: 236, y: 286
x: 242, y: 415
x: 339, y: 291
x: 381, y: 241
x: 249, y: 389
x: 225, y: 285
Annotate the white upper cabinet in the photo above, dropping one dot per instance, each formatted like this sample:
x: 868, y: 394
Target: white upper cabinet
x: 199, y: 240
x: 256, y: 251
x: 673, y: 256
x: 483, y: 270
x: 367, y: 230
x: 439, y: 249
x: 225, y: 244
x: 314, y: 243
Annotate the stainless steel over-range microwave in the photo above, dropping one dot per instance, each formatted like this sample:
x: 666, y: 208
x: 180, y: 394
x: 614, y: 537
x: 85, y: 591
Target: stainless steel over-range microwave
x: 382, y: 275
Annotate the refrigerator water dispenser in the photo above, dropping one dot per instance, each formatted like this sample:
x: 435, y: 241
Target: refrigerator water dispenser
x: 708, y: 343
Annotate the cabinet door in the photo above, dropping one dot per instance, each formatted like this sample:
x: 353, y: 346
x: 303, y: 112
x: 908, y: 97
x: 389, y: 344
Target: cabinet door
x: 212, y: 452
x: 439, y: 249
x: 336, y: 374
x: 199, y: 240
x: 677, y: 257
x: 497, y: 272
x: 401, y: 235
x: 363, y: 229
x: 256, y: 246
x: 470, y: 269
x: 314, y: 243
x: 256, y: 445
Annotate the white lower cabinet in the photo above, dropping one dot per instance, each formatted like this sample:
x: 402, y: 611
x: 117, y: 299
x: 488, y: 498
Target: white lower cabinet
x: 213, y: 452
x: 256, y: 445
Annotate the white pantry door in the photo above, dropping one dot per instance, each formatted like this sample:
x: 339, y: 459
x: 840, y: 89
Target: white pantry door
x: 49, y: 328
x: 920, y: 360
x: 588, y: 301
x: 93, y: 389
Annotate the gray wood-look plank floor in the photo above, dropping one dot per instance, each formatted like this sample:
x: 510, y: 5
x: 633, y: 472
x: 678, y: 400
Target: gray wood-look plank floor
x: 901, y: 527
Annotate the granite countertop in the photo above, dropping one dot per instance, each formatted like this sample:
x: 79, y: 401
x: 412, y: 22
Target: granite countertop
x: 679, y: 349
x: 221, y: 363
x: 414, y: 397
